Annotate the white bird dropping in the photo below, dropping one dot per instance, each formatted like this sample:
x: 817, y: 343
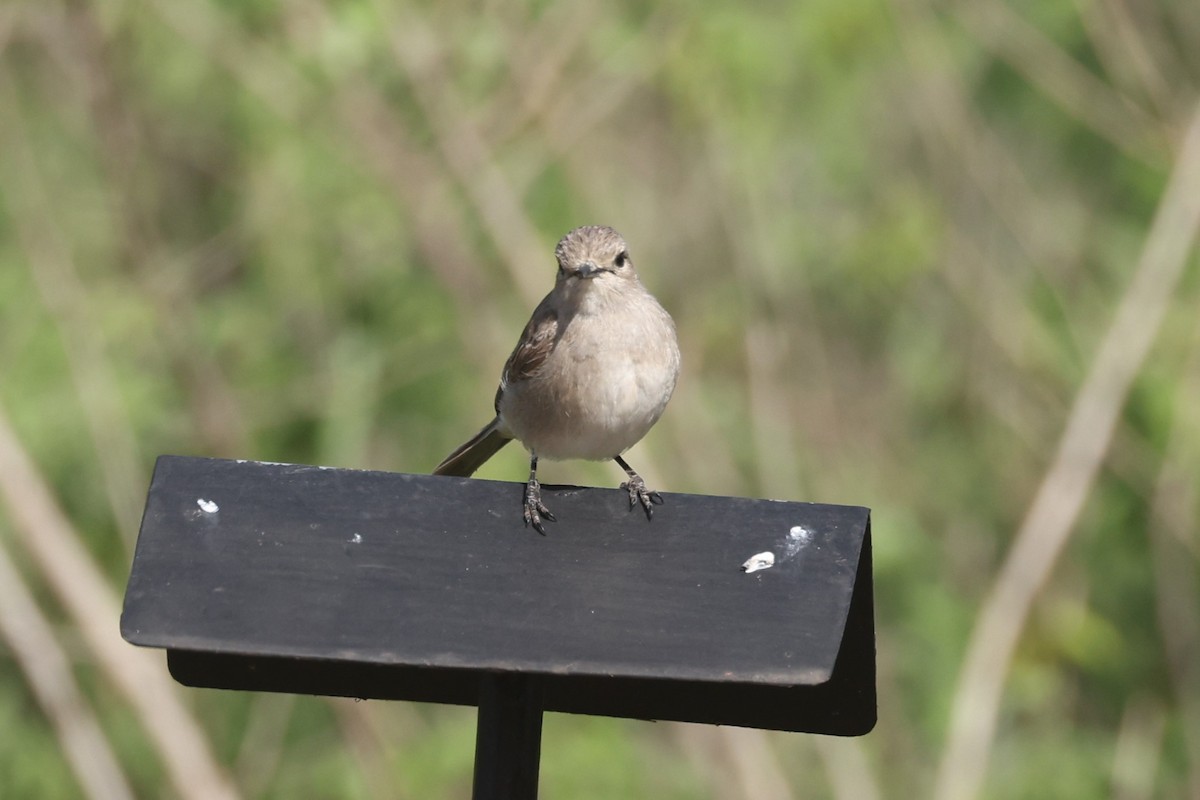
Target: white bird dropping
x: 759, y: 561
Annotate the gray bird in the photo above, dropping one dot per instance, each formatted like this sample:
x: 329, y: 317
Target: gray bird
x: 592, y: 372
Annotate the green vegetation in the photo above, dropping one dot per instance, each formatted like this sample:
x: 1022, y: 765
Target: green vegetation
x: 911, y: 251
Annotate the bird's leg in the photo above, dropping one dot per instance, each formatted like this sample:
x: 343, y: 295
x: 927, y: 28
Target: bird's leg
x: 534, y: 509
x: 638, y: 493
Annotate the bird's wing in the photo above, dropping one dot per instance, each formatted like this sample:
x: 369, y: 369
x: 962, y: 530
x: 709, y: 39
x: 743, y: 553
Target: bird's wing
x: 537, y: 341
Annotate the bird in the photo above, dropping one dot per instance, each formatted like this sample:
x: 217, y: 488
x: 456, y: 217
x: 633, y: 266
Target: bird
x: 591, y: 373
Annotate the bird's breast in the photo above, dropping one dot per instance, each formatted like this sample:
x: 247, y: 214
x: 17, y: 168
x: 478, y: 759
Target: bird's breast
x: 603, y: 387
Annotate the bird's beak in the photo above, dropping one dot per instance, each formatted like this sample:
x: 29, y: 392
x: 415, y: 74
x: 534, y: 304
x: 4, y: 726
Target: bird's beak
x: 589, y: 268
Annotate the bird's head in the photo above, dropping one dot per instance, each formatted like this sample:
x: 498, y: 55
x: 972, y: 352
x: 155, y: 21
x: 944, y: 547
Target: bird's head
x: 593, y: 252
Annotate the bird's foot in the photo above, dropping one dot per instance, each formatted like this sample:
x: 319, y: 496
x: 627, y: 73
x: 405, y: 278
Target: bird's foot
x: 534, y: 508
x: 638, y: 493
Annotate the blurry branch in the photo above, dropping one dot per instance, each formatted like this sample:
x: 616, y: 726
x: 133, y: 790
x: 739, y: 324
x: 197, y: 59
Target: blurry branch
x: 1160, y: 36
x: 771, y: 425
x: 771, y: 346
x: 755, y: 763
x: 80, y: 44
x: 1175, y: 553
x: 736, y: 762
x: 76, y: 40
x: 386, y: 144
x: 86, y: 52
x: 419, y: 53
x: 1138, y: 749
x: 139, y: 674
x: 369, y: 745
x: 846, y: 764
x: 604, y: 87
x: 1059, y: 499
x: 694, y: 428
x: 8, y: 16
x: 745, y: 763
x: 366, y: 132
x: 277, y: 84
x: 48, y: 672
x: 1123, y: 51
x: 219, y: 421
x: 968, y: 158
x: 66, y: 298
x: 1026, y: 405
x: 974, y: 273
x: 1165, y: 23
x: 538, y: 65
x: 263, y: 741
x: 593, y: 96
x: 978, y: 265
x: 1080, y: 93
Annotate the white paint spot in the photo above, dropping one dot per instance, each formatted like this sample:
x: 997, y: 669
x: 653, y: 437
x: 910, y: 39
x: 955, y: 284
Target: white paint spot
x: 797, y: 538
x: 356, y: 538
x: 759, y: 561
x: 207, y: 506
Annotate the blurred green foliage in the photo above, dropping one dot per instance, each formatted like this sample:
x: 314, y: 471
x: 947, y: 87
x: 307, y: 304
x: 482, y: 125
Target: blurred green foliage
x: 892, y: 234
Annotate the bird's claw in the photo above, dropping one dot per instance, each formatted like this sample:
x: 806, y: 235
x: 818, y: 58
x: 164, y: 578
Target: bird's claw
x: 638, y: 493
x: 534, y: 508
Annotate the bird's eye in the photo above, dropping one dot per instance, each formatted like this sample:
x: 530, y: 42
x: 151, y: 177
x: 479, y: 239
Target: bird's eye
x: 621, y: 258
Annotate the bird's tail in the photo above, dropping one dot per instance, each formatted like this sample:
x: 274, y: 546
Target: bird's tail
x: 463, y: 462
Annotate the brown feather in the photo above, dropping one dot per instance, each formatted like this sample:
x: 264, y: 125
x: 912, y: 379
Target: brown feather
x: 463, y: 462
x: 536, y: 343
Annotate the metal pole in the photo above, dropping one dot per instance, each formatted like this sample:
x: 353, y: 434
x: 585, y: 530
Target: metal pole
x: 508, y: 738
